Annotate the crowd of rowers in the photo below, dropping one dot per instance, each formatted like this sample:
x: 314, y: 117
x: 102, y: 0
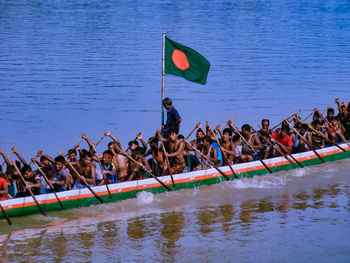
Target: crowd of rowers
x: 168, y: 152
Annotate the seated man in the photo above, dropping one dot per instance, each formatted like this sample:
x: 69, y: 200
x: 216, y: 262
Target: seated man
x: 3, y: 186
x: 156, y: 162
x: 207, y: 150
x: 109, y: 169
x: 283, y: 138
x: 303, y: 144
x: 253, y: 141
x: 85, y: 169
x: 32, y: 180
x: 135, y: 171
x: 319, y: 137
x: 227, y: 146
x: 176, y: 153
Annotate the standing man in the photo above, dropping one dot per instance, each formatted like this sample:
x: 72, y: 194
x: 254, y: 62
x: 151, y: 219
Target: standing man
x: 173, y: 118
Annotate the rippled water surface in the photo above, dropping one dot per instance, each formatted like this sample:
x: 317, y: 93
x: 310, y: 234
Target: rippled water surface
x: 68, y: 67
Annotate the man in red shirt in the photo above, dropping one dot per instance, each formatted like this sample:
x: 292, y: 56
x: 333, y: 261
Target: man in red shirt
x: 3, y: 186
x: 283, y: 138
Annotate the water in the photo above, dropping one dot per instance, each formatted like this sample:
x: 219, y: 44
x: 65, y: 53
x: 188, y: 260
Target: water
x: 68, y: 67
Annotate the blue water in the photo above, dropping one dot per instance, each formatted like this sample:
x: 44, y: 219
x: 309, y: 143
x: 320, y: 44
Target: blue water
x: 90, y: 66
x: 68, y: 67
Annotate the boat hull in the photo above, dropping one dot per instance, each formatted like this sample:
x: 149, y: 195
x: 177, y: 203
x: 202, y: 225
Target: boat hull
x: 126, y: 190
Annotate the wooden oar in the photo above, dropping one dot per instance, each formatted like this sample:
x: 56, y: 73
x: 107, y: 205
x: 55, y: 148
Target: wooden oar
x: 328, y: 107
x: 5, y: 215
x: 81, y: 178
x: 287, y: 118
x: 302, y: 138
x: 277, y: 149
x: 143, y: 168
x: 224, y: 154
x: 29, y: 190
x: 206, y: 158
x: 133, y: 160
x: 166, y: 159
x: 188, y: 136
x: 250, y: 147
x: 104, y: 176
x: 342, y: 136
x: 230, y: 120
x: 36, y: 156
x: 100, y: 140
x: 285, y: 150
x: 308, y: 116
x: 8, y: 156
x: 48, y: 182
x: 316, y: 131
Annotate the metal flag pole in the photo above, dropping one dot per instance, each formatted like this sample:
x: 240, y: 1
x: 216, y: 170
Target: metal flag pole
x: 163, y: 73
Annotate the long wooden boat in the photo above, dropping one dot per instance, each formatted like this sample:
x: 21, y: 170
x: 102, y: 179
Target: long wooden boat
x: 126, y: 190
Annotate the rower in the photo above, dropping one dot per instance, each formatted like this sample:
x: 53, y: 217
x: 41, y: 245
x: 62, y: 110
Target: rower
x: 3, y: 186
x: 248, y: 154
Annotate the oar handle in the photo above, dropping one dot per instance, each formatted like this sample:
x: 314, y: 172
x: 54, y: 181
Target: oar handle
x: 206, y: 158
x: 304, y: 140
x: 29, y: 190
x: 188, y: 136
x: 49, y: 183
x: 287, y: 119
x: 223, y: 154
x: 250, y: 147
x: 81, y: 178
x: 5, y: 215
x: 166, y: 158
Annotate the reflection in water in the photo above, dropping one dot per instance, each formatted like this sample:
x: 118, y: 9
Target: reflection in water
x: 240, y: 223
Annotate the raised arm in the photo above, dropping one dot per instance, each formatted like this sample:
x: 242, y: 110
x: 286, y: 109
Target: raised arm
x: 14, y: 149
x: 5, y: 158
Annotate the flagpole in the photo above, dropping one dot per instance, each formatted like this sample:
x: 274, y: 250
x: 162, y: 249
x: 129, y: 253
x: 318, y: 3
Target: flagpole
x: 163, y: 73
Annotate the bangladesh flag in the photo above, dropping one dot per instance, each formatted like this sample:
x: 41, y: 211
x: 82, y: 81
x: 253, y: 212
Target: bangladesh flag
x: 185, y: 62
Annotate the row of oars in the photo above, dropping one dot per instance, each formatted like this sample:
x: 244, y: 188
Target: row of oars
x: 280, y: 149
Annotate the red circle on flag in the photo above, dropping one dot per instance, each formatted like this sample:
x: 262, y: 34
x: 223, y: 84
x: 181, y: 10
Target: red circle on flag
x: 180, y: 59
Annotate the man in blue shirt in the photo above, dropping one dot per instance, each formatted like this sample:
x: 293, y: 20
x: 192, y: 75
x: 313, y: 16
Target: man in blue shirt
x: 173, y: 119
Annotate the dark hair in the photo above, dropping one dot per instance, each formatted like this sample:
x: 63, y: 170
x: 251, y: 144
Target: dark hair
x: 264, y: 134
x: 85, y: 154
x: 173, y: 131
x: 305, y: 126
x: 108, y: 152
x: 59, y: 159
x: 72, y: 151
x: 246, y: 127
x: 316, y: 114
x: 26, y: 168
x: 330, y: 110
x: 181, y: 136
x: 268, y: 121
x: 167, y: 101
x: 316, y: 122
x: 285, y: 128
x: 235, y: 138
x: 111, y: 143
x: 153, y: 140
x: 199, y: 130
x: 138, y: 150
x: 227, y: 130
x: 43, y: 158
x: 133, y: 142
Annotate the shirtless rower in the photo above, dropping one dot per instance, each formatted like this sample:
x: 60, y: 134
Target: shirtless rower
x: 119, y: 160
x: 175, y: 154
x: 157, y: 161
x: 207, y: 150
x: 86, y: 169
x: 248, y: 154
x: 228, y: 147
x: 134, y: 170
x: 301, y: 145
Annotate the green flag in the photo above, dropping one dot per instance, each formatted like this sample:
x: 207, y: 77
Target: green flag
x: 185, y: 62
